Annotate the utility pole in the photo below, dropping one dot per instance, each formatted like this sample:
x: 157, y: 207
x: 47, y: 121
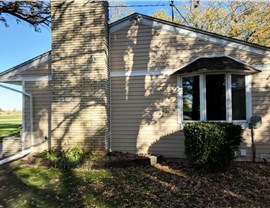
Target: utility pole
x: 172, y: 6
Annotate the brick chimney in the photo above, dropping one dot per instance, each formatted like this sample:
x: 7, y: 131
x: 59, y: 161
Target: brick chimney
x: 80, y: 74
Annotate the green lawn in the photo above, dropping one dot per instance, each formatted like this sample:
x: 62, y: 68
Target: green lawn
x: 10, y: 119
x: 165, y: 185
x: 9, y: 130
x: 10, y: 125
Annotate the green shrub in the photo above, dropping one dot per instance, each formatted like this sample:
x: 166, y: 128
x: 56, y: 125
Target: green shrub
x: 67, y: 159
x: 52, y: 156
x: 211, y: 146
x: 71, y: 158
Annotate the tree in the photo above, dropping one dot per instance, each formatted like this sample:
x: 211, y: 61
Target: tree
x: 118, y: 10
x: 245, y: 20
x: 36, y: 13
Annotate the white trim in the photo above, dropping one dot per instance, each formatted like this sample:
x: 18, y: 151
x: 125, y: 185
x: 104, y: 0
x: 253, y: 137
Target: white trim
x: 110, y: 88
x: 120, y: 26
x: 262, y: 67
x: 31, y: 121
x: 28, y: 64
x: 180, y: 98
x: 23, y: 117
x: 202, y: 98
x: 248, y: 81
x: 181, y: 31
x: 243, y: 123
x: 197, y: 35
x: 139, y: 73
x: 26, y: 79
x: 31, y: 110
x: 228, y: 78
x: 17, y: 156
x: 169, y: 72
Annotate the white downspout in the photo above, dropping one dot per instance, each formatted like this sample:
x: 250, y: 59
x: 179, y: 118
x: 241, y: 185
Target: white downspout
x: 27, y: 151
x: 110, y: 88
x: 23, y: 118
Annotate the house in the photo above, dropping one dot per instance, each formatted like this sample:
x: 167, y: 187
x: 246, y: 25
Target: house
x: 133, y: 84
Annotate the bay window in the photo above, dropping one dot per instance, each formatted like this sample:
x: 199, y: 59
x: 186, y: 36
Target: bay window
x: 214, y: 97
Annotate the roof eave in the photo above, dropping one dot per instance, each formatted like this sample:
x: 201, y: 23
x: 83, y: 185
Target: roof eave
x: 10, y: 74
x: 191, y: 29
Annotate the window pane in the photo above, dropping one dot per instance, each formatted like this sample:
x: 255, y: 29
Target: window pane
x: 191, y: 98
x: 215, y: 97
x: 238, y: 97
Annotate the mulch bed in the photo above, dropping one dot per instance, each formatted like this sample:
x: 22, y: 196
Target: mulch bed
x: 166, y: 184
x: 102, y: 161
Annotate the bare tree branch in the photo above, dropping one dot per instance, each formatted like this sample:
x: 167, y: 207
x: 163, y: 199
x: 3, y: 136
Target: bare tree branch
x: 36, y: 13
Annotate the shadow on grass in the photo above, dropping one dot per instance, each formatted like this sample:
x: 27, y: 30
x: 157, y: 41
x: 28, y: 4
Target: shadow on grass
x: 165, y: 185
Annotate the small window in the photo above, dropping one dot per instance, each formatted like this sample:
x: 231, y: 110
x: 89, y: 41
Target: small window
x: 191, y: 98
x: 215, y: 97
x: 238, y: 97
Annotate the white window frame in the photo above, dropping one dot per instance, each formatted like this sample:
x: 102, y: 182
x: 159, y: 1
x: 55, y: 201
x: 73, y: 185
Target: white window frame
x: 202, y: 78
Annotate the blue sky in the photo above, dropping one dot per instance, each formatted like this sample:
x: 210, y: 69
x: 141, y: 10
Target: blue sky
x: 20, y: 42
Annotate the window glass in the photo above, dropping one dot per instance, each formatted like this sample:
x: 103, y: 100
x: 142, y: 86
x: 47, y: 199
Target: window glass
x: 191, y: 98
x: 238, y: 97
x: 215, y: 97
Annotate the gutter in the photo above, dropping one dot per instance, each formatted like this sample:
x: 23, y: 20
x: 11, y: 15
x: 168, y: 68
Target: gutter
x: 23, y: 151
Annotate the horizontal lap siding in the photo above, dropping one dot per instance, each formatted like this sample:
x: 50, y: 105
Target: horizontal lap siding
x: 261, y: 107
x: 40, y: 70
x: 145, y: 120
x: 142, y: 48
x: 41, y: 93
x: 137, y: 124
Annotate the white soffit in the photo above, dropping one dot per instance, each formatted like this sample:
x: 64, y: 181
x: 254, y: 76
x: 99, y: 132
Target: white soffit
x: 8, y: 74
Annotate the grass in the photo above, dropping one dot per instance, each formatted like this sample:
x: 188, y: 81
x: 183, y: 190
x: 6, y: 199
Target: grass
x: 10, y: 119
x: 9, y: 130
x: 164, y: 185
x: 10, y: 125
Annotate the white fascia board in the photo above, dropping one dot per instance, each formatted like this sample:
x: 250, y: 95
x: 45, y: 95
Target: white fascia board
x: 188, y: 33
x: 220, y: 41
x: 26, y: 79
x: 262, y: 67
x: 120, y: 26
x: 18, y: 69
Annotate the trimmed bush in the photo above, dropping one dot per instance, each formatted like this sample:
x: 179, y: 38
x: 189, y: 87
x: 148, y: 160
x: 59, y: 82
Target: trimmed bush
x: 66, y: 160
x: 211, y: 146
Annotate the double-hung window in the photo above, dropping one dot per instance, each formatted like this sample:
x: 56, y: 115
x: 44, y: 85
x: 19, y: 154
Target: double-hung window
x: 214, y: 97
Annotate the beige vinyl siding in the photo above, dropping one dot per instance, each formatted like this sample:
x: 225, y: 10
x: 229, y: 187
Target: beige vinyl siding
x: 40, y: 70
x: 41, y: 93
x: 261, y: 107
x: 144, y: 115
x: 141, y: 121
x: 142, y: 48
